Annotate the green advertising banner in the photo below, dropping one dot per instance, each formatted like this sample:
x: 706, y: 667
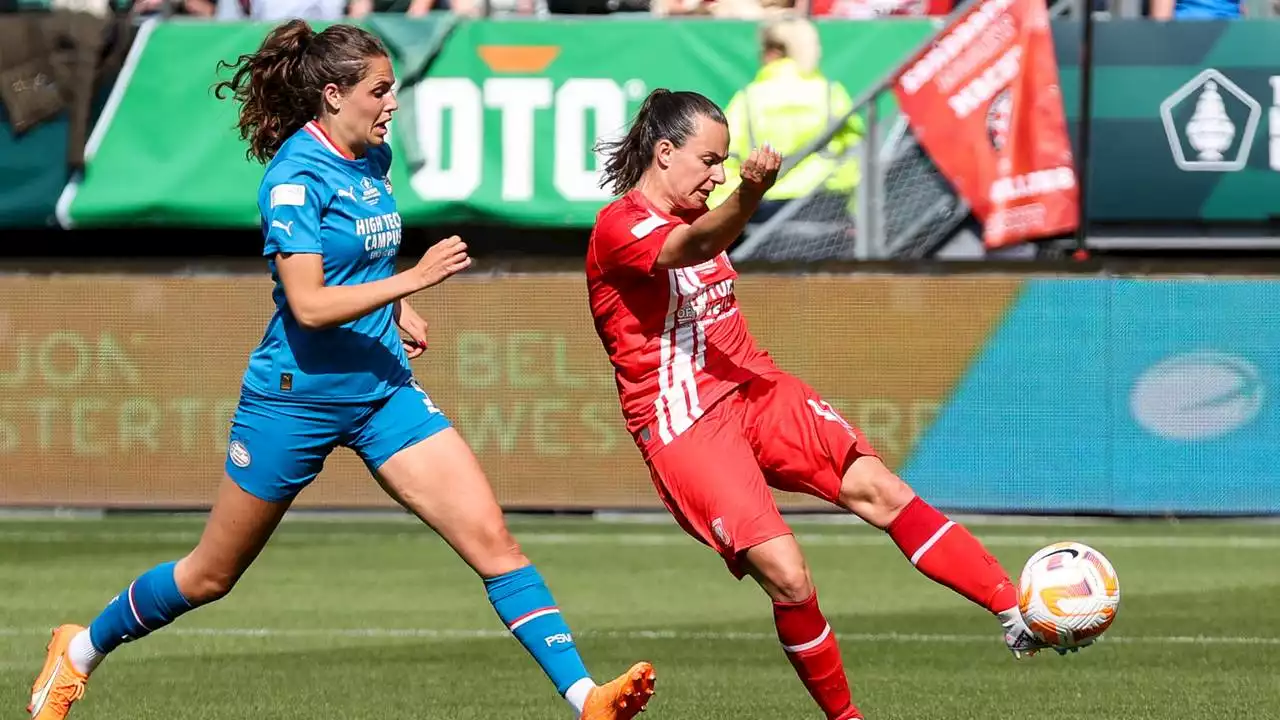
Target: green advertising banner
x: 499, y: 129
x: 1186, y: 119
x: 497, y: 118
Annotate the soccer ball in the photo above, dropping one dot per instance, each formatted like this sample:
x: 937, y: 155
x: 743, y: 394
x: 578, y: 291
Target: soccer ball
x: 1068, y: 595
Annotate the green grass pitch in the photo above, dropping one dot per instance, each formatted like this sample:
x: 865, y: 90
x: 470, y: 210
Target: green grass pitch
x: 369, y: 618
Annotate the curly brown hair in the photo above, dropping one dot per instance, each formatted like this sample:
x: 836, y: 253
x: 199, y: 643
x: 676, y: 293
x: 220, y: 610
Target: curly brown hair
x: 280, y: 87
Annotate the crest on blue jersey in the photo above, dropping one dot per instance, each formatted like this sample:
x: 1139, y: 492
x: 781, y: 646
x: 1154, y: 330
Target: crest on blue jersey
x: 371, y: 194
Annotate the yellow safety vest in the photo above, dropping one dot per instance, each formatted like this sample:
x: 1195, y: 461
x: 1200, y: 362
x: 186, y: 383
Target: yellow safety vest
x: 788, y: 109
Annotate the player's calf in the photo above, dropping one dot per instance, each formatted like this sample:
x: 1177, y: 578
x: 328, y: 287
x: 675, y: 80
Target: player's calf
x: 941, y: 549
x: 810, y: 645
x: 945, y: 552
x: 526, y: 607
x: 806, y: 637
x: 149, y: 603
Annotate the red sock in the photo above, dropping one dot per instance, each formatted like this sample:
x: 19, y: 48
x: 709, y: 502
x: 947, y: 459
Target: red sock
x: 947, y: 554
x: 811, y: 647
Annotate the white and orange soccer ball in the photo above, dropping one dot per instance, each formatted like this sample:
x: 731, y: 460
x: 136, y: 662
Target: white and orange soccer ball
x: 1068, y: 594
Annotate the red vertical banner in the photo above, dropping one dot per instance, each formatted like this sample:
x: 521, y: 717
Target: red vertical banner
x: 984, y: 102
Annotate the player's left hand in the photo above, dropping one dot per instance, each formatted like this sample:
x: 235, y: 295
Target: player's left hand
x: 413, y: 325
x: 760, y: 170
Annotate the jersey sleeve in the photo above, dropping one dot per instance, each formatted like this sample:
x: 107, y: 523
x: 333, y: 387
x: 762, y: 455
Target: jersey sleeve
x: 630, y: 239
x: 291, y: 205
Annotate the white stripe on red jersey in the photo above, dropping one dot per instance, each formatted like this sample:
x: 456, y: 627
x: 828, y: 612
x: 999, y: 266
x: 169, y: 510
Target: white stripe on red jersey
x: 674, y: 336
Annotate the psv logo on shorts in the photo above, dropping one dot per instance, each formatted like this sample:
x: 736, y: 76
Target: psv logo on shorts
x: 239, y: 454
x: 722, y: 535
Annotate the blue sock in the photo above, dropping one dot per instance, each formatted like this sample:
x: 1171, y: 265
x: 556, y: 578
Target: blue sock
x: 530, y: 613
x: 148, y: 604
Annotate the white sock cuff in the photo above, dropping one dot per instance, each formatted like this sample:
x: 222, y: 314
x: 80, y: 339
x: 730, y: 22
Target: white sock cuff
x: 578, y: 692
x: 83, y: 655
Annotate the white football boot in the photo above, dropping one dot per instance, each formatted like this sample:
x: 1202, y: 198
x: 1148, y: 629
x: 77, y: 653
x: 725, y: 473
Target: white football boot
x: 1018, y: 636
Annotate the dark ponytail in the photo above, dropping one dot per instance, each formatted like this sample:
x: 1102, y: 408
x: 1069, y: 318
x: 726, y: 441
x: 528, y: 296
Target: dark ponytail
x: 664, y: 115
x: 279, y: 87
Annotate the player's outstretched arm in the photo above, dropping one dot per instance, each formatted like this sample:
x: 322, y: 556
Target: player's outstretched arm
x: 317, y: 306
x: 714, y: 232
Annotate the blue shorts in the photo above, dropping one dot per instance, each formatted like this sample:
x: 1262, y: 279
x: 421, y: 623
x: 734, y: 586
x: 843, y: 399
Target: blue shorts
x: 277, y: 448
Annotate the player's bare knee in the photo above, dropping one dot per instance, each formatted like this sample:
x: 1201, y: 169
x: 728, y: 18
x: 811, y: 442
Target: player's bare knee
x: 790, y: 583
x: 781, y: 572
x: 779, y: 566
x: 201, y: 584
x: 874, y: 493
x: 496, y: 550
x: 501, y: 543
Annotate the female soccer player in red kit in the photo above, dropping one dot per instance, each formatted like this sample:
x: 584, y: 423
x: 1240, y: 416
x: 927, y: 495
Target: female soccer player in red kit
x: 716, y: 420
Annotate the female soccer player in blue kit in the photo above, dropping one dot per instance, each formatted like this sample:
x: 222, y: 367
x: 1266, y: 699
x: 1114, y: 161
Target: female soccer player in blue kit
x: 332, y: 370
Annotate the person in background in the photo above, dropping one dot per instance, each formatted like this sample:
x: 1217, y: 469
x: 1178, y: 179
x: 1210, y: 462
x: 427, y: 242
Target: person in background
x: 358, y: 9
x: 871, y: 9
x: 416, y: 8
x: 1195, y: 9
x: 727, y: 9
x: 788, y: 105
x: 188, y: 8
x: 280, y: 10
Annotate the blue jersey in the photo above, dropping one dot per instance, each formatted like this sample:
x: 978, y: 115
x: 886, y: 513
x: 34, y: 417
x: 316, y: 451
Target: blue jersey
x: 1206, y: 9
x: 314, y: 200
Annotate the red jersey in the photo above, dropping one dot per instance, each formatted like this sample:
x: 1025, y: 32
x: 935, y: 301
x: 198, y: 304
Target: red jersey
x: 675, y: 337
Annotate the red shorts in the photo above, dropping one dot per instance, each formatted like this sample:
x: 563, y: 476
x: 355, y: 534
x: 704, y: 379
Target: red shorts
x: 773, y: 431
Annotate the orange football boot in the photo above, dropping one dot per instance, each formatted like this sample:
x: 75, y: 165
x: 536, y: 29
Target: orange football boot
x: 623, y: 697
x: 59, y: 683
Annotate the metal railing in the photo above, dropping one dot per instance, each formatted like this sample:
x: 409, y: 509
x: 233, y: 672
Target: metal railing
x: 901, y: 208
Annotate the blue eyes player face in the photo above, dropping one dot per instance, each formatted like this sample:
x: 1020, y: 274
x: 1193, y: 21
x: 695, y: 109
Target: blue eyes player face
x: 365, y: 110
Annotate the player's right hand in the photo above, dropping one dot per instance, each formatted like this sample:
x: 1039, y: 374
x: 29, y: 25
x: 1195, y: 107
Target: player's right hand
x: 760, y: 170
x: 443, y: 260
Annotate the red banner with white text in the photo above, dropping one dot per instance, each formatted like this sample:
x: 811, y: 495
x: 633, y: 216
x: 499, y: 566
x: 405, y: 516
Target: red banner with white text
x: 984, y: 102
